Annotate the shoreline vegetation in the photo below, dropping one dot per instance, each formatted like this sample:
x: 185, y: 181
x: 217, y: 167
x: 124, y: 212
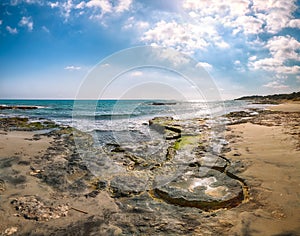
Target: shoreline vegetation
x: 50, y: 182
x: 272, y: 99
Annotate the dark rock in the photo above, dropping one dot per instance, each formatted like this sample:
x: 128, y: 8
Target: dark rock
x: 163, y: 103
x: 7, y: 162
x: 92, y: 194
x: 25, y: 163
x: 5, y: 107
x: 101, y: 184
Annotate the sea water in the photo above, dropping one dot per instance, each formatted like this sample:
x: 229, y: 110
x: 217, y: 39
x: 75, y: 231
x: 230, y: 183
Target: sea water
x: 108, y: 114
x: 111, y: 118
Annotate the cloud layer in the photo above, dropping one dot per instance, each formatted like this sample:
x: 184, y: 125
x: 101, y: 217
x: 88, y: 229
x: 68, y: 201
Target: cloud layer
x: 244, y: 44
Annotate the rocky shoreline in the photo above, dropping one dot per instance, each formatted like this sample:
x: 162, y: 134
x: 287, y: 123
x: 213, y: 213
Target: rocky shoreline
x: 188, y: 183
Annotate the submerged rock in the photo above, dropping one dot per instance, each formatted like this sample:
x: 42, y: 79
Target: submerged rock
x: 5, y: 107
x: 163, y: 103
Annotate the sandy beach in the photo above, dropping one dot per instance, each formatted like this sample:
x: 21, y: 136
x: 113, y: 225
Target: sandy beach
x: 271, y: 156
x: 46, y: 190
x: 286, y: 107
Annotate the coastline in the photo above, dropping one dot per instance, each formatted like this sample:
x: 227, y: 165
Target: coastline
x: 259, y: 146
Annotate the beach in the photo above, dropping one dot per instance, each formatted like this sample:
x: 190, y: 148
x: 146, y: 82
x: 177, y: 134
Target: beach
x: 46, y: 187
x: 270, y: 150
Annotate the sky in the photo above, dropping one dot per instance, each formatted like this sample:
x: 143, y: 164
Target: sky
x: 247, y: 47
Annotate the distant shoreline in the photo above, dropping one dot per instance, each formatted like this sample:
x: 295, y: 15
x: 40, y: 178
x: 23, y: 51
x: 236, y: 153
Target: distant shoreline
x: 271, y: 99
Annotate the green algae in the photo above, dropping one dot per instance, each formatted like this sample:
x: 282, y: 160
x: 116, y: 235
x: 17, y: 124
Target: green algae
x: 185, y: 141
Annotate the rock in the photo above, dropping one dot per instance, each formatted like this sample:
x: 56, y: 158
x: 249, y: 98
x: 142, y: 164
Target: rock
x: 2, y: 185
x: 32, y: 208
x: 113, y: 230
x: 166, y: 126
x: 24, y: 124
x: 101, y: 184
x: 5, y: 107
x: 92, y: 194
x: 11, y: 231
x: 171, y: 152
x: 126, y: 185
x: 35, y: 172
x: 163, y: 103
x: 207, y: 191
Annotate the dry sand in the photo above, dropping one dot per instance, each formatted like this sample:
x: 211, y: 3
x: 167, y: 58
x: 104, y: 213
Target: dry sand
x: 272, y: 160
x: 286, y: 107
x: 18, y: 152
x: 14, y: 143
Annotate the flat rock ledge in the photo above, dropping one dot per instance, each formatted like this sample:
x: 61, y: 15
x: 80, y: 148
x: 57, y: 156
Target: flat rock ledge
x: 204, y: 182
x: 212, y: 191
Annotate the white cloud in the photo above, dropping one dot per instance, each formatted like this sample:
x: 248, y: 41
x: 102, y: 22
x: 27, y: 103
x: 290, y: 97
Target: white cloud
x: 274, y: 65
x: 95, y: 9
x: 142, y: 24
x: 222, y: 44
x: 72, y: 68
x: 171, y: 57
x: 26, y: 22
x: 67, y: 8
x: 269, y: 12
x: 123, y: 5
x: 80, y: 5
x: 104, y: 5
x: 298, y: 78
x: 11, y: 30
x: 248, y: 24
x: 53, y: 4
x: 252, y: 58
x: 282, y: 49
x: 135, y: 24
x: 171, y: 34
x: 205, y: 18
x: 249, y: 17
x: 205, y: 65
x: 295, y: 23
x: 276, y: 85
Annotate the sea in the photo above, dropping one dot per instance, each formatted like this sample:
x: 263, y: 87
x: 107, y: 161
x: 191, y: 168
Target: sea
x: 106, y: 117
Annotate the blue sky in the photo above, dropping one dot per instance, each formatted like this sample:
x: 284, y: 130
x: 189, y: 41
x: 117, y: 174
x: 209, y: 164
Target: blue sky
x: 247, y: 46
